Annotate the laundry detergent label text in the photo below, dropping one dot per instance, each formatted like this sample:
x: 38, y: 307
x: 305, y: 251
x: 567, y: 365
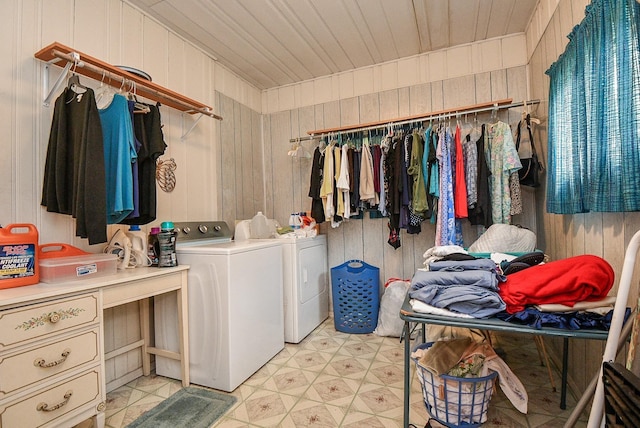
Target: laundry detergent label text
x: 17, y: 261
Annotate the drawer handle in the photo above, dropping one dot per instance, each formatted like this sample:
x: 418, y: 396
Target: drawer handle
x: 44, y: 407
x: 40, y: 362
x: 54, y: 317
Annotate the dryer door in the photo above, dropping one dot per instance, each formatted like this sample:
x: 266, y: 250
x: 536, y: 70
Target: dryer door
x: 312, y: 272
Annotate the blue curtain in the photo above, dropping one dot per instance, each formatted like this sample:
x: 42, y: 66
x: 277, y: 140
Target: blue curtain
x: 594, y: 114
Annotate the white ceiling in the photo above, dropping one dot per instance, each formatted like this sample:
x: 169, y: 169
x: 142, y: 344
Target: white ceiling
x: 272, y: 43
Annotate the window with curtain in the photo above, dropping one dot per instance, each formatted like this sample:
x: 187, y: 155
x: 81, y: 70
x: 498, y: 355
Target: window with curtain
x: 594, y: 114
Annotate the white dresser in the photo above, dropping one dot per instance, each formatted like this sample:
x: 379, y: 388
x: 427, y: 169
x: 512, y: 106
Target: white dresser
x: 52, y: 364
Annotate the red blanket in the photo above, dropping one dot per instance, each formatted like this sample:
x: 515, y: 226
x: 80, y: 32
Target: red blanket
x: 566, y: 281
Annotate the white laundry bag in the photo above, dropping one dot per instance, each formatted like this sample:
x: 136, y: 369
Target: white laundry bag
x: 389, y: 321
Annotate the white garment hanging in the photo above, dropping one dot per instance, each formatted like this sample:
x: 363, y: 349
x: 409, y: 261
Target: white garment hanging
x: 326, y: 190
x: 367, y: 189
x: 343, y: 182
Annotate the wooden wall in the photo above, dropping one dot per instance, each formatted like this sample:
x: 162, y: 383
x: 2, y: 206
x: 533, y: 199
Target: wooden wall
x: 604, y: 234
x: 287, y: 178
x: 115, y: 32
x: 240, y: 166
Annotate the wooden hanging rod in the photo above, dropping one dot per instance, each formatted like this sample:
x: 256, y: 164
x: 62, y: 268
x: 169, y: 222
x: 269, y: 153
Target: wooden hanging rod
x: 116, y: 77
x: 500, y: 104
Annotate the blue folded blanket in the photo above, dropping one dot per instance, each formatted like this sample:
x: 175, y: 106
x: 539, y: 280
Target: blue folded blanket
x: 471, y: 292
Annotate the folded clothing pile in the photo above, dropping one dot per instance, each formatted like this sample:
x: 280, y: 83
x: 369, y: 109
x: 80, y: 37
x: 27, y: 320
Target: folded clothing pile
x: 465, y: 287
x: 566, y: 282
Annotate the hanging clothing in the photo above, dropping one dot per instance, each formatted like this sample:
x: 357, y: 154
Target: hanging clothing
x: 460, y: 188
x: 480, y: 214
x: 338, y: 199
x: 376, y: 154
x: 384, y: 183
x: 449, y: 229
x: 393, y: 171
x: 419, y: 201
x: 315, y: 183
x: 342, y: 183
x: 406, y: 188
x: 515, y: 194
x: 367, y: 189
x: 470, y: 154
x: 119, y: 153
x: 74, y: 175
x: 326, y: 190
x: 503, y: 160
x: 148, y: 130
x: 354, y: 185
x: 134, y: 167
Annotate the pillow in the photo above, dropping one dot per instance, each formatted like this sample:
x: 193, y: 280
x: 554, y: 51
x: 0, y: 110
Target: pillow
x: 504, y: 238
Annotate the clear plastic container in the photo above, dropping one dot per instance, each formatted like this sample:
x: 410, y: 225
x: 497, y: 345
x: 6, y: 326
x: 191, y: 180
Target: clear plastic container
x: 63, y: 269
x: 259, y: 226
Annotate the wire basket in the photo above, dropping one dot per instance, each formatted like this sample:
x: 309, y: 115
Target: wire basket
x: 455, y: 401
x: 356, y: 296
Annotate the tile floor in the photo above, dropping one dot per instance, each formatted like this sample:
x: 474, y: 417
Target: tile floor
x: 333, y: 379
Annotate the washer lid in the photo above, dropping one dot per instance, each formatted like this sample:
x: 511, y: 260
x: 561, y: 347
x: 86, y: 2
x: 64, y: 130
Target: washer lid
x: 225, y: 248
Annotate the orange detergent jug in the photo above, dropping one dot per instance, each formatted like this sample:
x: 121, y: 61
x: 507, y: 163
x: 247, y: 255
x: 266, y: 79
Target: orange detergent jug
x: 19, y: 255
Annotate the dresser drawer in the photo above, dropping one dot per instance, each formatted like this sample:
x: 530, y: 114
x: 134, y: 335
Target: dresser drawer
x: 21, y: 325
x: 51, y: 404
x: 25, y: 369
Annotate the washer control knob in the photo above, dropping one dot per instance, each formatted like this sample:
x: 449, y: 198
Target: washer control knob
x: 217, y: 228
x: 186, y: 230
x: 203, y: 229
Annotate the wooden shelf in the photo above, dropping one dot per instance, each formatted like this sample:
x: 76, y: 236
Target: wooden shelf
x: 59, y: 54
x: 500, y: 104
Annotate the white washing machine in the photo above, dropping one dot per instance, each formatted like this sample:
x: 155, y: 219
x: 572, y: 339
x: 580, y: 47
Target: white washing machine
x: 305, y: 280
x: 236, y: 320
x: 306, y: 285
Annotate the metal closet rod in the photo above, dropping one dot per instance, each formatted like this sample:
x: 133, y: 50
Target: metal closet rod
x: 495, y: 106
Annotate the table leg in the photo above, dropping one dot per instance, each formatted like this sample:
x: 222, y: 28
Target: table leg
x: 145, y: 329
x: 407, y: 383
x: 183, y: 333
x: 565, y: 368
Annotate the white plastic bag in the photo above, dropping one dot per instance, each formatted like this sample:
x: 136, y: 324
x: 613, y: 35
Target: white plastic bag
x: 504, y: 238
x: 389, y: 321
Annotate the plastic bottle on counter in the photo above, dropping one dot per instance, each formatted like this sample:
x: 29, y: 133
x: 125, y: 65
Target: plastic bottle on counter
x: 258, y: 226
x: 137, y: 238
x: 153, y: 246
x: 167, y: 245
x: 138, y: 247
x: 295, y: 221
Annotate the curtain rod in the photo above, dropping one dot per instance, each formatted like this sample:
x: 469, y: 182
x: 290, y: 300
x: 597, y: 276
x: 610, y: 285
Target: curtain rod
x: 497, y: 105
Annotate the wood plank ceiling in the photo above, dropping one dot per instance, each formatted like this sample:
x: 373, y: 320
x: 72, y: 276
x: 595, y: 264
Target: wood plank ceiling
x: 272, y: 43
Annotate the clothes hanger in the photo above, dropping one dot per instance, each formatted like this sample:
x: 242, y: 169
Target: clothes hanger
x: 138, y: 106
x: 74, y: 81
x: 104, y: 93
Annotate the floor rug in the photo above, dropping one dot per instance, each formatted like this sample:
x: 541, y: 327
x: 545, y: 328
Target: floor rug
x: 189, y: 407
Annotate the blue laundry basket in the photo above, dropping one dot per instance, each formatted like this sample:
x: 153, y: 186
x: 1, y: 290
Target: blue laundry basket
x: 356, y: 296
x: 455, y: 402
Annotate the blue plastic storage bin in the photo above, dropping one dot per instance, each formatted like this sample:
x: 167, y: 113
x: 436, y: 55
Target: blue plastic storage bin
x: 356, y: 296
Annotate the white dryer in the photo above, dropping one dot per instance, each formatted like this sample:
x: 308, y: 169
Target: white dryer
x: 306, y: 285
x: 235, y: 306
